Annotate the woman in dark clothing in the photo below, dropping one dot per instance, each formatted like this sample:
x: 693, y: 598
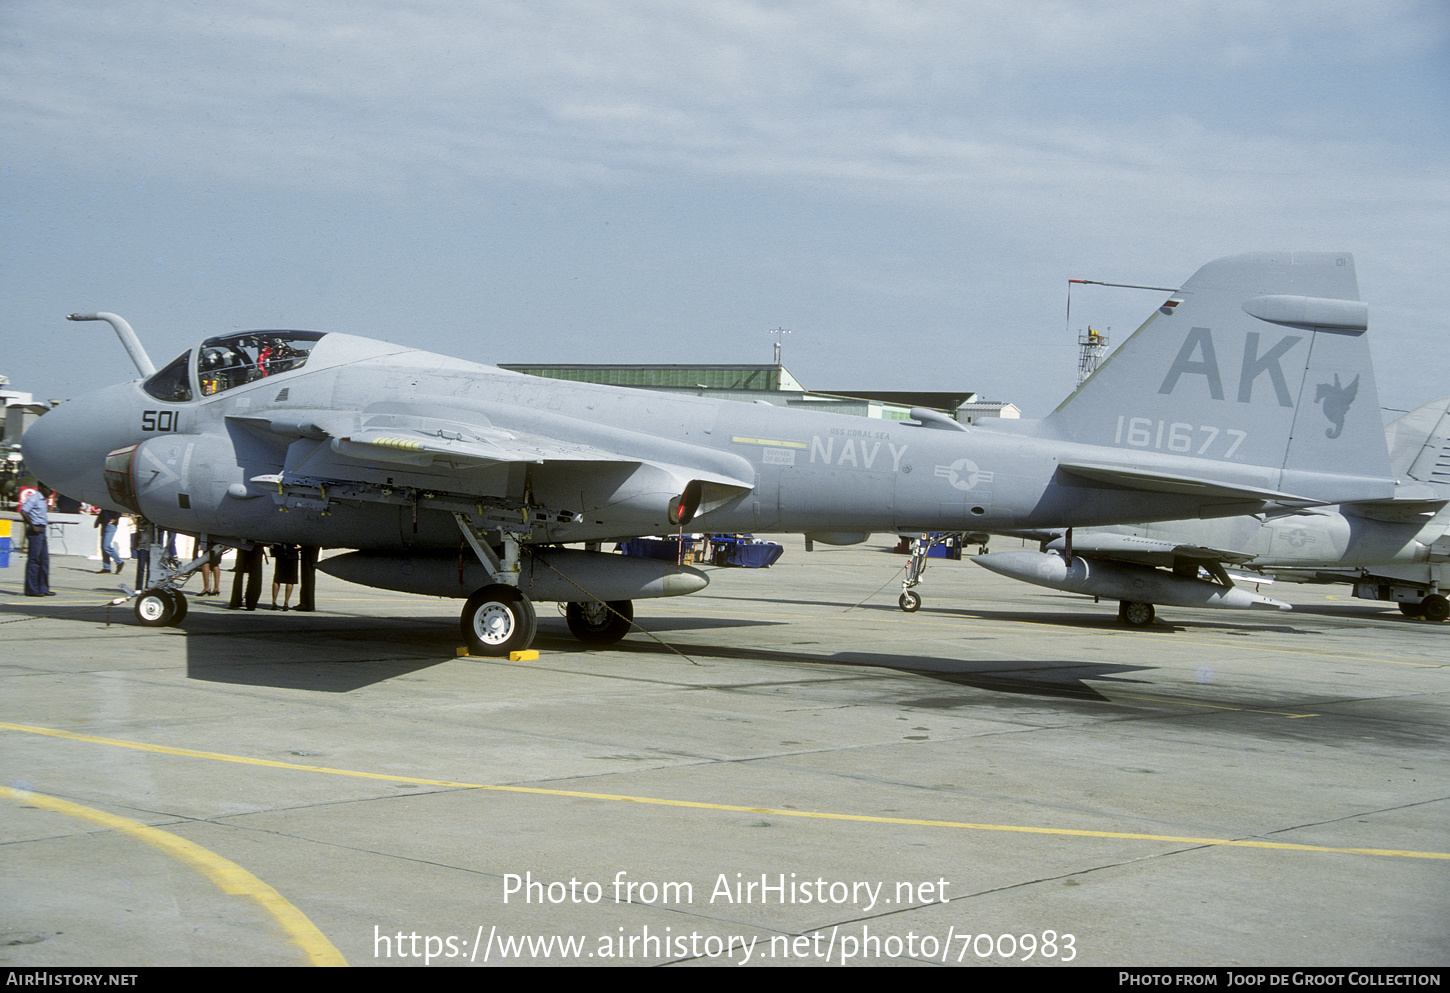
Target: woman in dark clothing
x: 284, y: 573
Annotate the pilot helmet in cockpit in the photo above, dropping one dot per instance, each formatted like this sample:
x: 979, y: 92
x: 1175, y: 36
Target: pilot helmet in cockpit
x: 212, y: 370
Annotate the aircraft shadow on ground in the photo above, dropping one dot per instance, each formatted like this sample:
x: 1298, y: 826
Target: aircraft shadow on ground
x: 326, y: 653
x: 1173, y: 620
x: 334, y: 653
x: 944, y: 683
x: 338, y: 653
x: 1077, y: 613
x: 1063, y: 679
x: 320, y: 651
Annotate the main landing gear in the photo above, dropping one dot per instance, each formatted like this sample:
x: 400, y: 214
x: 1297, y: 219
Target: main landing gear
x: 1136, y: 614
x: 1434, y: 607
x: 499, y: 618
x: 600, y: 623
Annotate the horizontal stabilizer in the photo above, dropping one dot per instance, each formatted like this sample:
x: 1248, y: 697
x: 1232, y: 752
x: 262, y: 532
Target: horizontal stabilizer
x: 1420, y: 443
x: 1161, y: 482
x: 1395, y: 511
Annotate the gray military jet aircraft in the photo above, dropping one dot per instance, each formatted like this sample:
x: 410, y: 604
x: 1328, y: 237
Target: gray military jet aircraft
x: 1395, y: 550
x: 1248, y: 390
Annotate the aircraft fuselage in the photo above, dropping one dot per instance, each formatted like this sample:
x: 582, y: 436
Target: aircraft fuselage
x: 198, y: 463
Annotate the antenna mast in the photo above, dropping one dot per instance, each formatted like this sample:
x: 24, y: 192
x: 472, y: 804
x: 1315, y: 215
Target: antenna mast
x: 778, y: 331
x: 1093, y: 345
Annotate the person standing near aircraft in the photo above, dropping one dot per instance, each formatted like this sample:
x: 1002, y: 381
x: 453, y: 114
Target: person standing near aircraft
x: 211, y: 570
x: 284, y: 573
x: 306, y: 591
x: 247, y: 579
x: 107, y: 520
x: 35, y: 509
x: 141, y: 541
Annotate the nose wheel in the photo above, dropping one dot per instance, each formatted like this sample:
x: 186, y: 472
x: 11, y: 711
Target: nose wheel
x: 160, y: 608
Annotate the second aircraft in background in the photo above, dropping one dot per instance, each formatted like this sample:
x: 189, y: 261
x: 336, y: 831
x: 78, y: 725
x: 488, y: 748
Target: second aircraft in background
x: 1396, y: 550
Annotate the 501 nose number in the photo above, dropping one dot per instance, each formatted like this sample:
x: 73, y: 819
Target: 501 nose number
x: 160, y: 420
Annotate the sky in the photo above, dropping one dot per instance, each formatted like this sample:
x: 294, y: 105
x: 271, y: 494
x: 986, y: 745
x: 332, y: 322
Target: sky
x: 905, y: 185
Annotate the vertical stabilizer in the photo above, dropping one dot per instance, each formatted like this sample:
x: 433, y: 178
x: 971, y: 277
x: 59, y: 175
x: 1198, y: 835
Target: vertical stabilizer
x: 1257, y: 360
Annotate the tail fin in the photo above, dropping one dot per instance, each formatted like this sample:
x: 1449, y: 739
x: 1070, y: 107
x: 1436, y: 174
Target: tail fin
x: 1259, y: 360
x: 1420, y: 443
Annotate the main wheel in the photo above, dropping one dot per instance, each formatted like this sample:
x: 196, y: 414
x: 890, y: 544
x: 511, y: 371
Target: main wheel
x: 154, y: 609
x: 498, y: 619
x: 596, y: 623
x: 1435, y: 607
x: 1135, y: 613
x: 178, y: 606
x: 1411, y: 609
x: 909, y: 601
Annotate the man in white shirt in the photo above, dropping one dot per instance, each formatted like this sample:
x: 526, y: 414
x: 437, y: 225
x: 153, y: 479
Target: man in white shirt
x: 35, y: 511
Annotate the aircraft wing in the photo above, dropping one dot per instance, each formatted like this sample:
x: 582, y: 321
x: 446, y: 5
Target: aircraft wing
x: 1148, y: 551
x: 572, y: 466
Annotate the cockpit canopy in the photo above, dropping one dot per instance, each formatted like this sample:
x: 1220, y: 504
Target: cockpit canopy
x: 228, y: 361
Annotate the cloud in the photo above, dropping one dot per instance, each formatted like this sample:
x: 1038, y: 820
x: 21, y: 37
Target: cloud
x: 878, y: 164
x: 374, y: 95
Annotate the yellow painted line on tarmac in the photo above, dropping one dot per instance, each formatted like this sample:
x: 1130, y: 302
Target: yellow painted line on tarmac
x: 732, y: 808
x: 229, y: 877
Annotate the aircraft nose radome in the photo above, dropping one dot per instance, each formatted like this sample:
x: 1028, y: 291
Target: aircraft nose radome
x: 57, y: 452
x: 40, y: 447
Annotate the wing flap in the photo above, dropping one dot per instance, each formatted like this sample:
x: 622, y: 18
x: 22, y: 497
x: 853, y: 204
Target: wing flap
x: 460, y: 450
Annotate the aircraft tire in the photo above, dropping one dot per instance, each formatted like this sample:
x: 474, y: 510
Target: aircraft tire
x: 596, y: 623
x: 1136, y: 614
x: 496, y: 620
x: 178, y: 607
x: 154, y: 609
x: 1435, y: 607
x: 1411, y: 609
x: 909, y: 601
